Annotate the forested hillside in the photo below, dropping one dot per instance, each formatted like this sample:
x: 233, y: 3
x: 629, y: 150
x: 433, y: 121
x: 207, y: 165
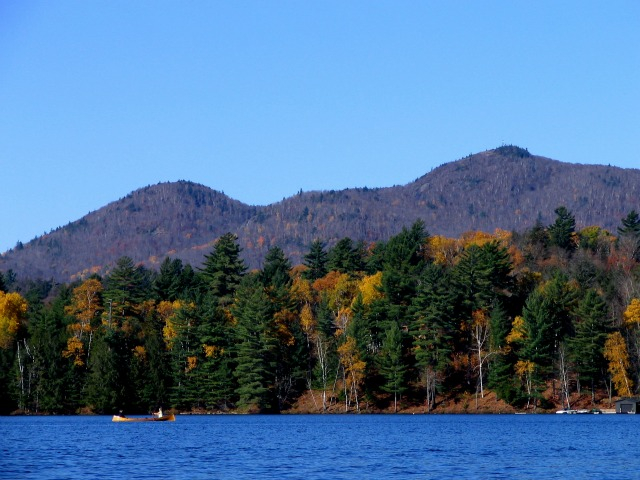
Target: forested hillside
x: 505, y: 188
x: 539, y: 317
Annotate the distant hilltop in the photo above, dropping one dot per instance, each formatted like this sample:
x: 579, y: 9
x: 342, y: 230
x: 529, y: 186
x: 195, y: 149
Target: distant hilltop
x: 506, y: 188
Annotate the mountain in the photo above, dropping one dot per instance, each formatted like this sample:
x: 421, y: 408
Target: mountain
x: 505, y: 188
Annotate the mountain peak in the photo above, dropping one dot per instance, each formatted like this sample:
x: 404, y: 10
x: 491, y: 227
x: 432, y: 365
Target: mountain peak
x: 506, y: 188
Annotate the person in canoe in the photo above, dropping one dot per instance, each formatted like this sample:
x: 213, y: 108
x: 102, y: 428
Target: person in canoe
x: 158, y: 413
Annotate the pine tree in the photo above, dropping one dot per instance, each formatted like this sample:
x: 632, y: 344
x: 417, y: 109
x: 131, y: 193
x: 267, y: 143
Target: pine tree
x: 562, y: 230
x: 50, y: 390
x: 344, y: 257
x: 586, y: 347
x: 482, y: 276
x: 541, y: 333
x: 433, y: 329
x: 402, y: 265
x: 630, y: 233
x: 501, y: 373
x: 214, y: 370
x: 223, y: 269
x: 255, y: 371
x: 125, y: 289
x: 366, y: 327
x: 392, y: 366
x: 315, y: 261
x: 630, y: 224
x: 174, y: 281
x: 181, y: 337
x: 108, y: 379
x: 275, y: 273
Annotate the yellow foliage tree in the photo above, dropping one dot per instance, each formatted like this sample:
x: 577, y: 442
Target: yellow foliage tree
x: 75, y: 349
x: 301, y: 290
x: 525, y: 369
x: 166, y: 310
x: 192, y: 362
x: 518, y: 333
x: 616, y: 353
x: 339, y: 291
x: 443, y: 250
x: 307, y: 320
x: 517, y: 258
x: 12, y: 312
x: 140, y: 353
x: 370, y: 288
x: 84, y: 307
x: 475, y: 238
x: 282, y: 320
x: 354, y: 368
x: 212, y: 351
x: 632, y: 313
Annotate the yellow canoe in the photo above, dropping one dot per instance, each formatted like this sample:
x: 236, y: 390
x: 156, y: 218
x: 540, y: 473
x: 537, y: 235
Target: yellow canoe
x: 165, y: 418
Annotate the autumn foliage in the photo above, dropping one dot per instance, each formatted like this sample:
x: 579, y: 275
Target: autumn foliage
x: 413, y: 321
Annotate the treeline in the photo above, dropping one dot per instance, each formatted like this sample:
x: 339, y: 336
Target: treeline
x: 363, y: 325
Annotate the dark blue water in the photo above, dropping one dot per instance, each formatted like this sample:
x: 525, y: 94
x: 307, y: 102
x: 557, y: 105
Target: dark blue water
x: 322, y: 447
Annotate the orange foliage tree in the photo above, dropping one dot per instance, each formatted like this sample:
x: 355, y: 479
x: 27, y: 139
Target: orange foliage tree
x: 84, y: 308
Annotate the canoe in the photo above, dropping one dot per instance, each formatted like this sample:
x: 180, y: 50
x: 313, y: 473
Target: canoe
x: 165, y: 418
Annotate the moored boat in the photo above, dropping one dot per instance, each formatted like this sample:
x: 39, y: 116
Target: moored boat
x: 164, y: 418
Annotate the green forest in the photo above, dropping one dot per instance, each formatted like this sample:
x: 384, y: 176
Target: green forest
x: 364, y: 326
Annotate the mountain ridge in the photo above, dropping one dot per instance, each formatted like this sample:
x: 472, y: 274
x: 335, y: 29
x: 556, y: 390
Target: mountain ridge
x: 506, y: 188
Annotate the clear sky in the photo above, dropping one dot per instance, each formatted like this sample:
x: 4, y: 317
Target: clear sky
x: 260, y: 99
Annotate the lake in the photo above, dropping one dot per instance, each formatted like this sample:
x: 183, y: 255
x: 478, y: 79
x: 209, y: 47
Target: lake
x: 322, y: 446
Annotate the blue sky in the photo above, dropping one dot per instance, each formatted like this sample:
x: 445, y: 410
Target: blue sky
x: 260, y: 99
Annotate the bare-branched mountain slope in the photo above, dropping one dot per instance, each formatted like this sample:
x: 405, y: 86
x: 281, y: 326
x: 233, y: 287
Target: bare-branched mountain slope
x: 503, y: 188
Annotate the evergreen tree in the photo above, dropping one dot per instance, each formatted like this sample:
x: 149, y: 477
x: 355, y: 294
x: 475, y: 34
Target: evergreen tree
x: 344, y: 257
x: 8, y: 401
x: 540, y: 331
x: 433, y: 329
x: 174, y: 281
x: 591, y: 329
x: 561, y: 296
x: 630, y: 233
x: 215, y: 366
x: 316, y: 261
x: 375, y: 259
x: 275, y: 273
x: 501, y: 368
x: 367, y: 329
x: 256, y: 349
x: 150, y: 365
x: 223, y: 269
x: 108, y: 377
x: 125, y: 289
x: 562, y: 230
x: 403, y: 263
x: 184, y: 346
x: 291, y: 353
x: 482, y: 276
x: 630, y: 224
x: 392, y: 365
x: 50, y: 389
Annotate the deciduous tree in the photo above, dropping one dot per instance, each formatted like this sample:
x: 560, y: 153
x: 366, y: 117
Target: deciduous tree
x: 616, y: 353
